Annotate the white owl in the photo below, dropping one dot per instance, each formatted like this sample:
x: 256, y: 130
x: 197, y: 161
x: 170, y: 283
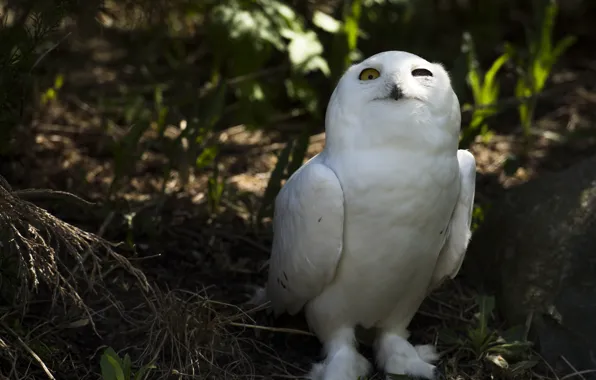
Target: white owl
x: 367, y: 228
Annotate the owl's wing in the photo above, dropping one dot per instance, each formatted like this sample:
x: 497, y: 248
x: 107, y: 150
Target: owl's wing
x: 458, y: 232
x: 308, y: 234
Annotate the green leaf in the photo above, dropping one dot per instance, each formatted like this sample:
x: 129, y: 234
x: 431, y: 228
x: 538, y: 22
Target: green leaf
x: 523, y: 365
x: 59, y: 81
x: 215, y: 189
x: 352, y: 22
x: 490, y: 87
x: 326, y: 22
x: 111, y: 366
x: 304, y: 48
x: 144, y: 371
x: 511, y: 350
x: 474, y: 82
x: 206, y: 157
x: 486, y: 304
x: 127, y: 367
x: 562, y: 45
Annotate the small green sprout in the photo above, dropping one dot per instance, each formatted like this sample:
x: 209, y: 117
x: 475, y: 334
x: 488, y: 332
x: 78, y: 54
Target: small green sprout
x: 115, y: 368
x: 487, y: 344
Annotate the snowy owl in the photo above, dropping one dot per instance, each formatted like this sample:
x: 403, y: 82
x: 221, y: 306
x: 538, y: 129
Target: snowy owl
x: 367, y: 228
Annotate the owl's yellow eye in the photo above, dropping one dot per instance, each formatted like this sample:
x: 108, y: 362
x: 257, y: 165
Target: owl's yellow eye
x: 369, y: 74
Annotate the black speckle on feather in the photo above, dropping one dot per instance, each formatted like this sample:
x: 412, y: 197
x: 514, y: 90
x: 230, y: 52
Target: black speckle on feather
x: 281, y: 283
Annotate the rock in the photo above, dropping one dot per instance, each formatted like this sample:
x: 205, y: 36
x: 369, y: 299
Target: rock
x: 536, y: 251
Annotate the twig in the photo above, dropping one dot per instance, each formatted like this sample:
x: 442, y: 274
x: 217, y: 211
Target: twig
x: 99, y: 234
x: 579, y: 373
x: 576, y: 373
x: 272, y: 329
x: 42, y: 56
x: 256, y: 74
x: 30, y: 194
x: 5, y: 184
x: 30, y: 351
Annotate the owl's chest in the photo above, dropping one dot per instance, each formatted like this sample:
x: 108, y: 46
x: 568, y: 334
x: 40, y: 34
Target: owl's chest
x: 394, y: 187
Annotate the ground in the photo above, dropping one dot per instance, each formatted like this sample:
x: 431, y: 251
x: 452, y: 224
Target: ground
x: 201, y: 266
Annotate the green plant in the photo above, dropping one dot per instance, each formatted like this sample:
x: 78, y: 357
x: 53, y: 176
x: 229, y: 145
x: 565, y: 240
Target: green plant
x: 345, y: 43
x: 236, y: 90
x: 535, y: 69
x: 478, y: 214
x: 262, y: 30
x: 215, y: 189
x: 24, y: 38
x: 52, y: 92
x: 486, y: 343
x: 485, y: 91
x: 115, y: 368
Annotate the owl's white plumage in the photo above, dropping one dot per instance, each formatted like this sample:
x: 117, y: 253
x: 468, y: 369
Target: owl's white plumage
x: 368, y: 227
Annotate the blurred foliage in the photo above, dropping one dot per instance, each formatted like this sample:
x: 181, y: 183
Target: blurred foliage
x: 27, y: 29
x: 255, y: 62
x: 536, y: 60
x: 485, y: 91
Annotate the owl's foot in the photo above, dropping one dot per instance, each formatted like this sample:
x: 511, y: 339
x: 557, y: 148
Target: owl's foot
x: 397, y: 356
x: 345, y: 364
x: 427, y: 352
x: 343, y: 361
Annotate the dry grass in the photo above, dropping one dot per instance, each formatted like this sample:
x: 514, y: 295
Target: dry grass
x: 60, y: 283
x: 40, y: 250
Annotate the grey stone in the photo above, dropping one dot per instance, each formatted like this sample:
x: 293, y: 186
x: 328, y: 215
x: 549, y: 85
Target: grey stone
x: 536, y: 252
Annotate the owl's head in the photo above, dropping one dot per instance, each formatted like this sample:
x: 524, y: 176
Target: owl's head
x: 392, y: 93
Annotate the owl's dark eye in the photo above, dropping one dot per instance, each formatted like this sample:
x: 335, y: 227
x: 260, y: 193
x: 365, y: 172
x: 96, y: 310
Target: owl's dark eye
x: 421, y: 73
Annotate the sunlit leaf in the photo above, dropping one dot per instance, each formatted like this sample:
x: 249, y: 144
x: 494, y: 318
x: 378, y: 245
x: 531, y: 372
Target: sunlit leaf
x: 206, y: 157
x: 305, y: 52
x: 326, y: 22
x: 491, y: 89
x: 59, y: 81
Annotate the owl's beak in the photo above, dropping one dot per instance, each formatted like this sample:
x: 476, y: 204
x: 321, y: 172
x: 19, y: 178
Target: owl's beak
x: 396, y: 92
